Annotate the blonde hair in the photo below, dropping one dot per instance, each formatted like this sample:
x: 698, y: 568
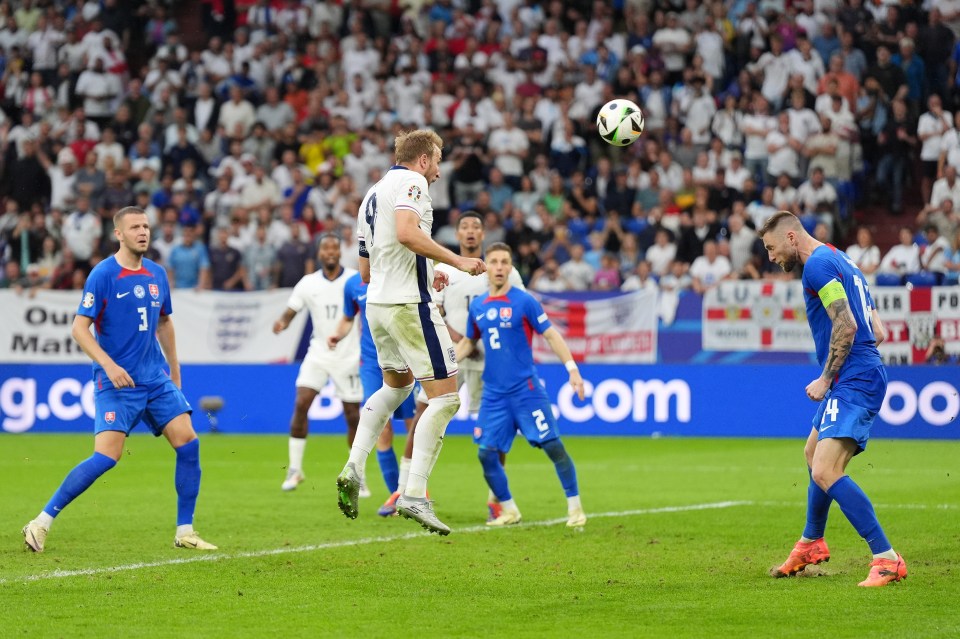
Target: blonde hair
x: 410, y: 145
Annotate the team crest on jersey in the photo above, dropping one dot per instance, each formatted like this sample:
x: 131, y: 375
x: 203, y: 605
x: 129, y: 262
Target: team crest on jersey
x: 414, y: 193
x: 139, y: 292
x: 452, y: 354
x: 506, y: 313
x: 110, y: 417
x: 87, y: 300
x: 492, y: 314
x: 154, y: 291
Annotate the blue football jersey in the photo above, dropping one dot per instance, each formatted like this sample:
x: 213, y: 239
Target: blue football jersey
x: 828, y: 264
x: 125, y: 307
x: 355, y: 303
x: 505, y: 324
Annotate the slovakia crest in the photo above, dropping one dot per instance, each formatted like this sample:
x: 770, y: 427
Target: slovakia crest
x: 139, y: 292
x: 506, y: 312
x: 110, y: 417
x: 154, y: 291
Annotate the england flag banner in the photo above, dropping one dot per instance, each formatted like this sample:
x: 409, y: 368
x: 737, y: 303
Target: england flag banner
x: 620, y: 329
x: 756, y: 316
x: 913, y: 317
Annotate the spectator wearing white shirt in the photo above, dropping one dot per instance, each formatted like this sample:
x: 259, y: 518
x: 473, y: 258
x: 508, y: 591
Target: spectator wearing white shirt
x: 933, y: 256
x: 865, y: 254
x: 759, y: 211
x: 662, y: 253
x: 816, y: 195
x: 736, y: 175
x: 674, y: 43
x: 727, y: 124
x: 931, y: 128
x: 903, y: 258
x: 509, y: 146
x: 709, y: 269
x: 578, y: 274
x: 237, y: 115
x: 784, y: 151
x: 755, y: 128
x: 99, y: 90
x: 698, y: 110
x: 806, y: 62
x: 82, y: 230
x: 784, y: 194
x: 773, y: 70
x: 641, y: 279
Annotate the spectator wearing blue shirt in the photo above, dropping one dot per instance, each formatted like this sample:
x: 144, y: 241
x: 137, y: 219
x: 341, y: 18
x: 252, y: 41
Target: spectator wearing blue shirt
x: 189, y: 264
x: 500, y: 192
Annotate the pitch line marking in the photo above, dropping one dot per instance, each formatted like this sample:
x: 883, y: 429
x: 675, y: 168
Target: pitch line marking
x: 364, y: 541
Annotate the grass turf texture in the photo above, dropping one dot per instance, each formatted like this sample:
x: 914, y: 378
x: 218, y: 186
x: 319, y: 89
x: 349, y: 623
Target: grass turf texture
x: 696, y: 573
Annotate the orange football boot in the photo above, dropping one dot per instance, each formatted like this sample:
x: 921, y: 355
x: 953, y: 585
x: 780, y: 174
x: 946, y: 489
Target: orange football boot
x: 803, y: 555
x: 885, y: 571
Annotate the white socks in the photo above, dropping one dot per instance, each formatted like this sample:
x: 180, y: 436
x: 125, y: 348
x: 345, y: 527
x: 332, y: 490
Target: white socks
x: 373, y: 419
x: 296, y: 447
x: 890, y: 554
x: 428, y: 441
x: 509, y: 505
x: 184, y: 530
x: 573, y: 503
x: 404, y: 474
x: 44, y: 520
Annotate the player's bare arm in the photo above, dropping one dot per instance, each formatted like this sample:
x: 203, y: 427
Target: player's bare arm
x: 841, y: 340
x: 365, y: 269
x: 560, y: 348
x: 168, y: 342
x: 879, y: 330
x: 88, y: 343
x: 464, y: 348
x: 281, y: 324
x: 440, y: 280
x: 412, y: 236
x: 343, y: 329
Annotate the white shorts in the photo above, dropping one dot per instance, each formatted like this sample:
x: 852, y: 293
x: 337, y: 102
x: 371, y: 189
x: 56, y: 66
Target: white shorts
x: 473, y: 380
x: 412, y: 337
x: 314, y: 374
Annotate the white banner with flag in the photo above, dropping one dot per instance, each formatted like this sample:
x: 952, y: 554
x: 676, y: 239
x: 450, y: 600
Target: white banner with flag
x: 211, y: 327
x: 756, y: 316
x: 621, y: 329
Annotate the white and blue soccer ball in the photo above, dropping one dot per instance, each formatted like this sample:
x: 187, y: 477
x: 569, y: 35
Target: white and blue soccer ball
x: 620, y: 122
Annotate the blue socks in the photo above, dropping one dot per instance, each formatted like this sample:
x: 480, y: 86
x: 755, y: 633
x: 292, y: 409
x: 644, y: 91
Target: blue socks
x: 389, y: 468
x: 494, y: 474
x: 187, y: 481
x: 564, y: 465
x: 857, y: 507
x: 818, y: 505
x: 78, y: 480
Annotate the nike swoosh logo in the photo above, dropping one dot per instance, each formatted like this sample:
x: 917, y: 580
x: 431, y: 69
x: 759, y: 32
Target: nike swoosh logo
x: 478, y: 317
x: 56, y: 508
x: 825, y: 428
x: 119, y: 295
x: 362, y: 297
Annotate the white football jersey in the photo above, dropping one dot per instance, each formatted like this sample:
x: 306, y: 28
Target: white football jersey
x: 324, y: 299
x: 456, y: 296
x: 397, y: 274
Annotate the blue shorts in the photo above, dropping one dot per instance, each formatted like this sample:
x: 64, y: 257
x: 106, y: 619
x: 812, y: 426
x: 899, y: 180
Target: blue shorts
x: 371, y: 378
x: 850, y: 406
x: 502, y: 415
x: 156, y: 403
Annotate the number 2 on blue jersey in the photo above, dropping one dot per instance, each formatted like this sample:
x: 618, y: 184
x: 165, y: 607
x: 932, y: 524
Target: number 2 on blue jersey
x: 370, y: 214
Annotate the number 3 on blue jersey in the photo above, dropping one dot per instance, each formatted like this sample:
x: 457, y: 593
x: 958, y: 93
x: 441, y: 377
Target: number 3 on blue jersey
x: 370, y: 214
x: 143, y: 317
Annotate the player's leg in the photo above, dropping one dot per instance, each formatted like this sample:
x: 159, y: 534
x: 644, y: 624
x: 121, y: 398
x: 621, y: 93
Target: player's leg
x: 494, y: 434
x: 405, y: 461
x: 115, y: 415
x: 299, y: 429
x: 811, y: 548
x: 535, y: 419
x: 829, y: 464
x: 431, y: 356
x: 473, y: 380
x: 169, y: 413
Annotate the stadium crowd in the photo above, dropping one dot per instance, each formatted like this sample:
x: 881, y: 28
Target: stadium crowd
x: 244, y: 151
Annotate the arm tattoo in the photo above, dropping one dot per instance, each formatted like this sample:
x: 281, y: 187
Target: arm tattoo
x: 841, y: 337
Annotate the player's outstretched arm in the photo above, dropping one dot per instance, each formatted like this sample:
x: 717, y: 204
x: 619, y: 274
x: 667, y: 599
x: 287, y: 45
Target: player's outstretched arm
x: 281, y: 324
x: 88, y: 343
x: 412, y: 236
x: 559, y: 346
x: 464, y: 348
x: 168, y: 342
x: 343, y: 328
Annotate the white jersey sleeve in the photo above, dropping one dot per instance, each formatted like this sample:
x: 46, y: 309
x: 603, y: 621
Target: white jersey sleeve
x: 324, y: 299
x: 397, y: 274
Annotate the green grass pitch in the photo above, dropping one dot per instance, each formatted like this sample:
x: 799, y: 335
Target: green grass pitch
x: 681, y: 537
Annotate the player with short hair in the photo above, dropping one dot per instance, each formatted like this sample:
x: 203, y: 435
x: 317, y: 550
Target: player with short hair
x: 371, y: 378
x: 127, y: 299
x: 321, y: 293
x: 513, y: 396
x: 846, y: 330
x: 396, y: 254
x: 453, y: 301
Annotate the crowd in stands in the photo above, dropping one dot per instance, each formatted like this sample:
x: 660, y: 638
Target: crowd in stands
x: 245, y: 150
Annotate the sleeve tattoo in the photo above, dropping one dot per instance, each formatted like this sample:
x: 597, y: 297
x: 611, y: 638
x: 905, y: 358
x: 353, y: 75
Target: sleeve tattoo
x: 841, y: 337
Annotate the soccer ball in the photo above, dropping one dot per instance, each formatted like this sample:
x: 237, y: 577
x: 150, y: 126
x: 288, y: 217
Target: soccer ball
x: 620, y: 122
